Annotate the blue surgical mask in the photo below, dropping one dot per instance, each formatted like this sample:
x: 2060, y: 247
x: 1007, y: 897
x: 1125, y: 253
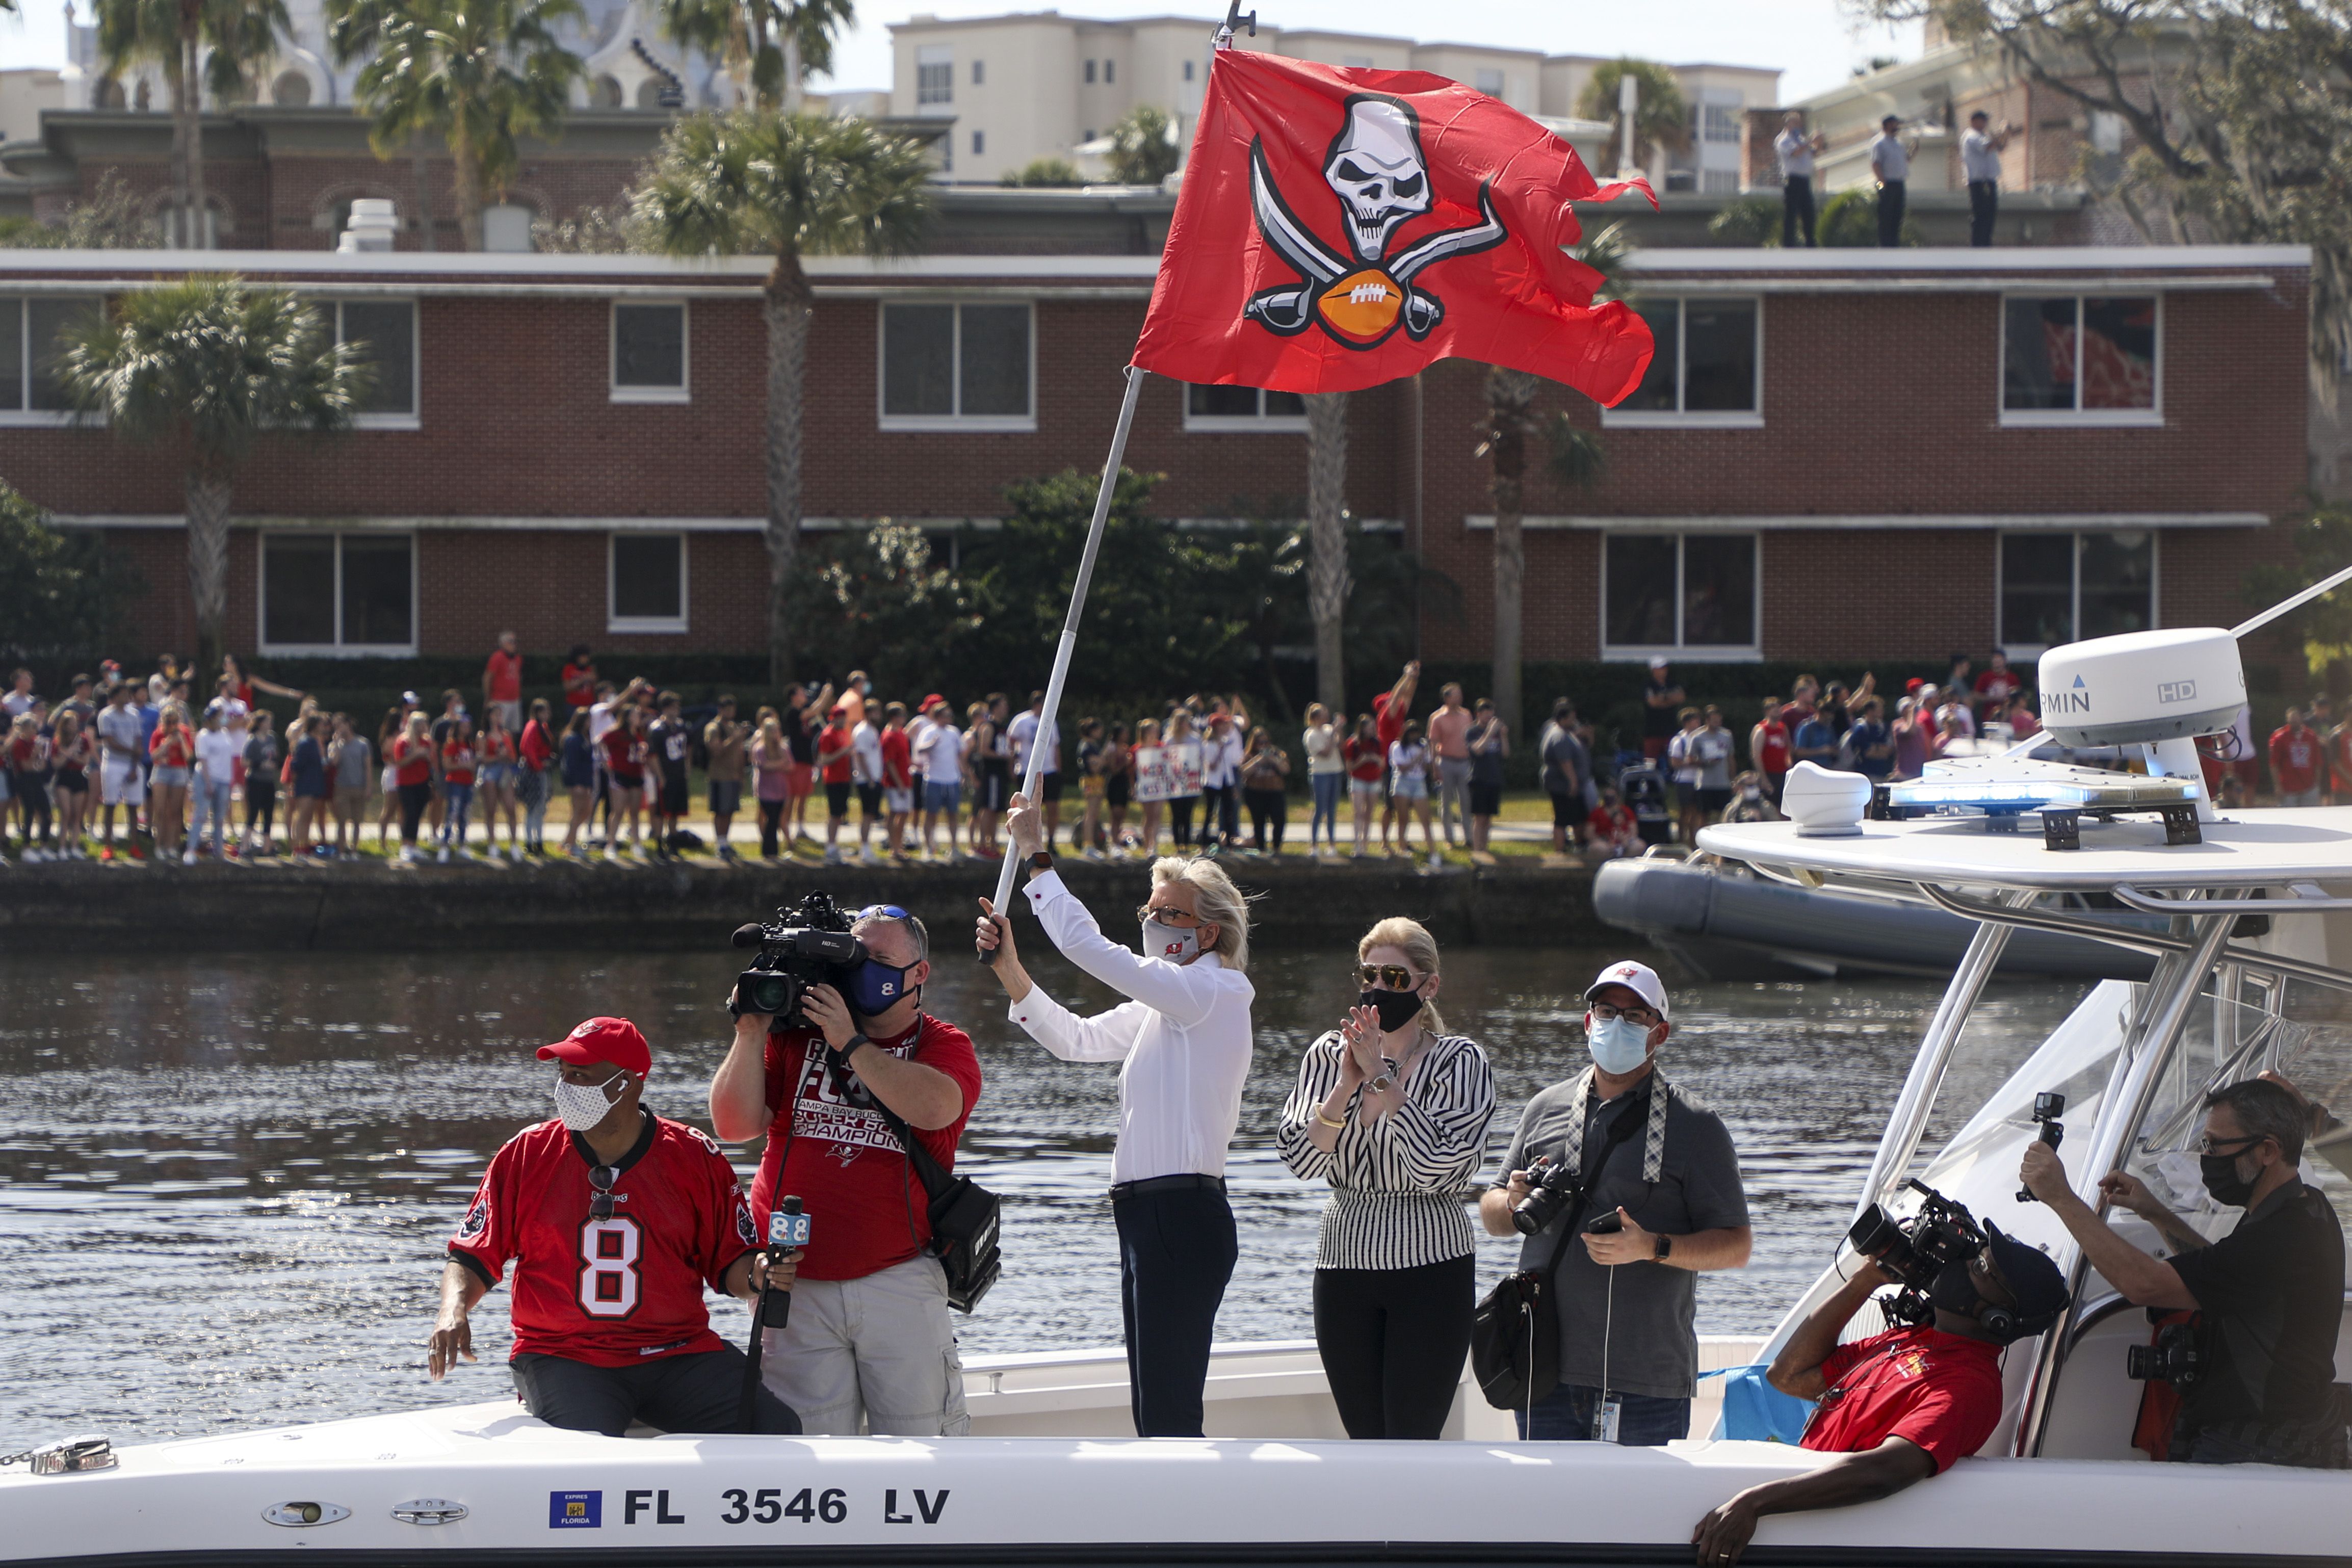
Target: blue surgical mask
x: 1618, y: 1046
x: 1177, y: 945
x: 876, y: 987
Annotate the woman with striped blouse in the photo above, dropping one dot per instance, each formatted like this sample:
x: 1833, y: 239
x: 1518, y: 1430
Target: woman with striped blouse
x: 1393, y: 1111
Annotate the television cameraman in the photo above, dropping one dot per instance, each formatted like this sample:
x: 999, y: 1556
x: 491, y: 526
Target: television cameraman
x: 869, y: 1335
x: 2269, y: 1296
x: 1900, y: 1406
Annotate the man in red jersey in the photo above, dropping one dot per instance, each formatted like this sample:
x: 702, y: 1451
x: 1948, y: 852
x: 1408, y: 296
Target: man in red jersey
x: 614, y: 1219
x: 870, y: 1346
x: 1902, y: 1405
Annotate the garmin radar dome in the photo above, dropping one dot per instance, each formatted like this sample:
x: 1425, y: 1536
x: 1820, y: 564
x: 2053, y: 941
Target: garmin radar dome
x: 2142, y: 687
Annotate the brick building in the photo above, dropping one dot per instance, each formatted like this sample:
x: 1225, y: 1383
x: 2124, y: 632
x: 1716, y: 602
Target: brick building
x: 1838, y: 454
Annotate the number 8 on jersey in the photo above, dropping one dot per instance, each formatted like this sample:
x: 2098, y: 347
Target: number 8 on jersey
x: 608, y: 1267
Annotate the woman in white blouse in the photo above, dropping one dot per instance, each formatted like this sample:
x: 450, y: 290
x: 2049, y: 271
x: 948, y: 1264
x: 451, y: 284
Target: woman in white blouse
x: 1393, y: 1111
x: 1184, y: 1046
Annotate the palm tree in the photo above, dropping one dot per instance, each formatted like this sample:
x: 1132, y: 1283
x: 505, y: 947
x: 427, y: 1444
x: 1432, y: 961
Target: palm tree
x: 768, y: 45
x: 1327, y: 527
x: 198, y: 44
x: 205, y: 366
x: 1143, y: 146
x: 784, y: 187
x: 1661, y: 113
x: 480, y: 73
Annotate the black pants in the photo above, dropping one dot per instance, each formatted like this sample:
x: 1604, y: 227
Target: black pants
x: 1890, y: 215
x: 1176, y: 1253
x: 1984, y: 206
x: 1269, y: 810
x: 1394, y: 1342
x: 414, y: 798
x: 1180, y: 819
x: 1229, y: 813
x: 1796, y: 211
x: 771, y: 818
x: 260, y: 806
x: 699, y: 1393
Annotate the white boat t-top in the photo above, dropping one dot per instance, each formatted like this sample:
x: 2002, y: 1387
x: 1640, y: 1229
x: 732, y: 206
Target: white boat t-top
x: 2251, y: 971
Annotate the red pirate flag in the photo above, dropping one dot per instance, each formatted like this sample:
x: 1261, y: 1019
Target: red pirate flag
x: 1340, y: 229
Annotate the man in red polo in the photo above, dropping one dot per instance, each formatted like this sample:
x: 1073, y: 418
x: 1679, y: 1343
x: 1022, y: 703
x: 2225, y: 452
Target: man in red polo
x: 614, y: 1219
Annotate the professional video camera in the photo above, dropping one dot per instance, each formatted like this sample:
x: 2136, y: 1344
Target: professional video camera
x: 2172, y: 1359
x: 803, y: 946
x: 1914, y: 1250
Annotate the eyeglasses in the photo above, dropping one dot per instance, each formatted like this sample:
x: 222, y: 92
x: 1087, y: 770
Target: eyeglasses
x: 1388, y: 976
x: 1606, y: 1013
x: 602, y: 1178
x: 2211, y: 1145
x: 1164, y: 913
x: 883, y: 912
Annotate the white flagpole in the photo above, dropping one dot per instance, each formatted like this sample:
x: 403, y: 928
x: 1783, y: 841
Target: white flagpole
x: 1045, y: 721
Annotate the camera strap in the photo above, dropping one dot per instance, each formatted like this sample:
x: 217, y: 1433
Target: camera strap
x: 1620, y: 1131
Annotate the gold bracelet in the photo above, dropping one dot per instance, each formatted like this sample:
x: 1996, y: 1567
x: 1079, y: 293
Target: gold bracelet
x: 1334, y: 1126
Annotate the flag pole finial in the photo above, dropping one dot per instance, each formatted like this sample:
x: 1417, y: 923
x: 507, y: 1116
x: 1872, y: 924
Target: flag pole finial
x: 1233, y: 18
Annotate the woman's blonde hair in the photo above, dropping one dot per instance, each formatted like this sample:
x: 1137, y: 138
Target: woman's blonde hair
x: 1215, y: 897
x: 1420, y: 949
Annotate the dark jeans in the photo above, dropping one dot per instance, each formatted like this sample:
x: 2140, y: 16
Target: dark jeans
x: 1180, y: 819
x: 1176, y: 1253
x: 1229, y: 813
x: 414, y: 798
x: 1269, y: 810
x: 699, y: 1393
x: 1984, y: 206
x: 771, y: 818
x: 1796, y: 211
x: 1643, y: 1420
x: 1393, y: 1341
x: 1890, y: 215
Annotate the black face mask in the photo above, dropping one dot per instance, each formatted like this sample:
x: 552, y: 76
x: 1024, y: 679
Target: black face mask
x: 1396, y: 1008
x: 1955, y: 1291
x: 2222, y: 1180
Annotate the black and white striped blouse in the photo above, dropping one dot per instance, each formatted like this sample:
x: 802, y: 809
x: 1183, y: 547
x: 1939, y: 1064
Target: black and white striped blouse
x: 1397, y: 1183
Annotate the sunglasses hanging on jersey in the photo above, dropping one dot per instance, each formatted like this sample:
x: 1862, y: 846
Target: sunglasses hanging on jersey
x: 602, y: 1178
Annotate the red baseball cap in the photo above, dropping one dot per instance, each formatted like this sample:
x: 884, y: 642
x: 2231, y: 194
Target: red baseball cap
x: 613, y: 1040
x: 933, y: 700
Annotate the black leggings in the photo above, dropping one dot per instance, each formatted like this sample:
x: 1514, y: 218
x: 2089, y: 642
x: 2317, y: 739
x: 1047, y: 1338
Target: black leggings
x: 1394, y: 1342
x: 1269, y: 809
x: 414, y: 798
x: 1180, y: 819
x: 260, y: 806
x: 772, y: 821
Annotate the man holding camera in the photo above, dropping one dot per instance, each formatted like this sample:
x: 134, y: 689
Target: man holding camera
x: 1903, y: 1404
x: 869, y: 1340
x: 614, y: 1219
x: 2269, y: 1296
x: 1643, y: 1153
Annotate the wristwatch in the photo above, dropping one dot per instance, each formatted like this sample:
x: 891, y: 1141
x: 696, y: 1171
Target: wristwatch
x: 1665, y: 1247
x: 1043, y: 860
x: 1381, y: 1085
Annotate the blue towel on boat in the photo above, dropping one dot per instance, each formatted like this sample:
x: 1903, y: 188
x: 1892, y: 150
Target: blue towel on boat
x: 1754, y: 1410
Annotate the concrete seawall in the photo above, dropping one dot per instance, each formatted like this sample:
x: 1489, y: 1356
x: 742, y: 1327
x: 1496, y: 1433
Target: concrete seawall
x: 351, y: 907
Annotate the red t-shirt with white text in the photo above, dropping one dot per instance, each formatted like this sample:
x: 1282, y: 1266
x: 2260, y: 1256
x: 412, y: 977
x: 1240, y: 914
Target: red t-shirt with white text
x: 2294, y: 758
x: 1938, y: 1391
x: 868, y: 1209
x: 617, y: 1291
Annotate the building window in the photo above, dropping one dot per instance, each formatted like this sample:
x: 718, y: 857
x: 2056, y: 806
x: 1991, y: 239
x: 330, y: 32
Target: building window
x: 1490, y: 82
x: 1679, y: 593
x: 1719, y: 181
x: 1188, y: 71
x: 1720, y: 122
x: 2062, y: 587
x: 338, y: 593
x: 1356, y: 62
x: 1090, y: 73
x: 649, y: 349
x: 968, y: 366
x: 934, y: 75
x: 979, y: 73
x: 1110, y: 72
x: 645, y: 583
x: 2081, y: 360
x: 1242, y: 408
x: 384, y: 332
x: 1708, y: 368
x: 30, y: 329
x: 979, y: 143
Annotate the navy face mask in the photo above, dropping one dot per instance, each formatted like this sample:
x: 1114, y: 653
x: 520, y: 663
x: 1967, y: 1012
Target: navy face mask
x: 875, y: 989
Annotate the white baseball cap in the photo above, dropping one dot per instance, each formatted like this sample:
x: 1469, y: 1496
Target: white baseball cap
x: 1638, y: 978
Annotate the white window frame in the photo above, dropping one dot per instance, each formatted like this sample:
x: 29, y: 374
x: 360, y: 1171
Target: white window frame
x: 1259, y: 423
x: 684, y: 391
x: 37, y: 418
x: 617, y: 622
x: 2077, y: 417
x: 2017, y: 651
x: 1704, y: 418
x: 1709, y: 653
x: 414, y: 418
x: 338, y: 648
x: 1016, y: 422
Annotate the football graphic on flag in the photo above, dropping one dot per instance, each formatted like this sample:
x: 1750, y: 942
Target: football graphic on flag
x: 1363, y: 306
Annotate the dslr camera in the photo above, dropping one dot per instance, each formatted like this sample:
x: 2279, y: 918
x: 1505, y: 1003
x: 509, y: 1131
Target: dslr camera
x: 806, y: 945
x: 1914, y: 1250
x: 1552, y: 1187
x: 2172, y: 1359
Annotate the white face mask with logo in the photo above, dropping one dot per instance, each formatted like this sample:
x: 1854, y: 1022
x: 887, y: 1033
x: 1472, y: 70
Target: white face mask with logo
x: 1177, y: 945
x: 581, y: 1106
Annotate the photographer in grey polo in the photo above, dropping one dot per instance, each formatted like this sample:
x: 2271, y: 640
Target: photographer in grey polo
x: 1661, y: 1166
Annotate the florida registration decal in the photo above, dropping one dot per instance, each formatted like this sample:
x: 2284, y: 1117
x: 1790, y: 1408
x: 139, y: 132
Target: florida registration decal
x: 575, y: 1511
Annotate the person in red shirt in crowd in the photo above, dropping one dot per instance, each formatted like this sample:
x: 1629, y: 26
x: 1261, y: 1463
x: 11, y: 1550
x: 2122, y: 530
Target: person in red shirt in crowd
x: 1995, y: 686
x: 835, y: 763
x: 502, y: 683
x: 1804, y: 698
x: 457, y: 759
x: 1366, y: 756
x: 1902, y: 1405
x: 897, y: 778
x: 1613, y: 830
x: 579, y: 678
x: 626, y: 749
x: 410, y: 758
x: 1390, y: 708
x: 614, y: 1219
x: 869, y: 1335
x: 1767, y: 748
x: 2296, y: 759
x: 536, y: 756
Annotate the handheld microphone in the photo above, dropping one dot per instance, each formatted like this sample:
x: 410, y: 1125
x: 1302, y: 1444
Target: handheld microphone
x: 788, y: 1230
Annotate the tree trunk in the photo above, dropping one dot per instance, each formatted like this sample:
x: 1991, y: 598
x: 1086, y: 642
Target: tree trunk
x: 188, y: 133
x: 468, y: 178
x: 1508, y: 392
x: 1327, y: 530
x: 207, y: 494
x: 786, y: 311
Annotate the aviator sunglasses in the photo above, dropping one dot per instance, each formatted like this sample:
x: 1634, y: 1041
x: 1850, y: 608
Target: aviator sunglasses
x: 1388, y: 976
